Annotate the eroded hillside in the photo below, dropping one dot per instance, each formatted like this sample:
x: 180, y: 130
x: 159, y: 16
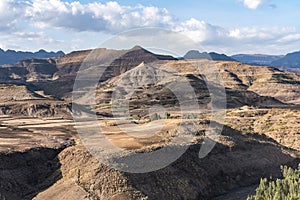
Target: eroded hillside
x: 43, y: 156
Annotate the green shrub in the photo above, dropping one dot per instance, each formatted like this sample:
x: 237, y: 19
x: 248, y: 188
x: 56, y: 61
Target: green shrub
x: 154, y: 117
x: 287, y: 188
x: 167, y: 115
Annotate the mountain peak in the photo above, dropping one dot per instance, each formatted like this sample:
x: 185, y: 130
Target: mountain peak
x: 195, y: 54
x: 41, y: 51
x: 137, y: 47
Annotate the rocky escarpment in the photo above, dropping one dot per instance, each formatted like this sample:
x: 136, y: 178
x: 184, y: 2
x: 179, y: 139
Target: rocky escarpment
x: 17, y: 93
x: 29, y: 70
x: 36, y: 108
x: 265, y: 81
x: 174, y: 82
x: 280, y: 124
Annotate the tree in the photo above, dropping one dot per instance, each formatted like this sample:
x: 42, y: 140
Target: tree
x: 287, y: 188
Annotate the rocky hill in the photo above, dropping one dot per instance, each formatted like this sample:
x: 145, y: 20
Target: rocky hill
x: 265, y: 81
x: 17, y: 93
x: 55, y: 76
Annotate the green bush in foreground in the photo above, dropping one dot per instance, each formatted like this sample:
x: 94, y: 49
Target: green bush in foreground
x: 287, y: 188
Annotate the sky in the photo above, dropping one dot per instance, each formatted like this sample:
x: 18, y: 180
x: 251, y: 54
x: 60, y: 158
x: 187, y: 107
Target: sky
x: 224, y: 26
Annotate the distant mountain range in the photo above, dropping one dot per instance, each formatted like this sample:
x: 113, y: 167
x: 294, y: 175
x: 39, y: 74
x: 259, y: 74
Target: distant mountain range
x: 194, y: 54
x: 290, y: 61
x: 256, y: 59
x: 11, y: 56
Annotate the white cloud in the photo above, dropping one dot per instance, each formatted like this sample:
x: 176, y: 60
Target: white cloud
x: 10, y: 12
x: 107, y: 17
x: 244, y: 39
x: 253, y: 4
x: 206, y: 33
x: 32, y: 41
x: 290, y: 38
x: 199, y: 31
x: 259, y: 33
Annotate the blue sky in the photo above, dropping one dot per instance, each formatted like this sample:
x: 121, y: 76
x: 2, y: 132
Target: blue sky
x: 225, y: 26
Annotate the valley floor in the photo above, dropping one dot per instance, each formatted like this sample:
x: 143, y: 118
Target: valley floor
x: 43, y: 157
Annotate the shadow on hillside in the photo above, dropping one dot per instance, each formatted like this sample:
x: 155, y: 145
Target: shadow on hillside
x: 25, y: 174
x: 239, y: 161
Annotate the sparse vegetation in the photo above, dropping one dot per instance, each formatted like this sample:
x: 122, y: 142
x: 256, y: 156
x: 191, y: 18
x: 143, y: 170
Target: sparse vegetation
x: 167, y: 115
x: 287, y: 188
x: 154, y: 117
x: 189, y: 116
x: 275, y: 123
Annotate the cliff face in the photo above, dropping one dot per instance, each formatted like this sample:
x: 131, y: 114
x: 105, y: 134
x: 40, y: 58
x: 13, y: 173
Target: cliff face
x: 44, y: 108
x: 265, y: 81
x: 17, y: 93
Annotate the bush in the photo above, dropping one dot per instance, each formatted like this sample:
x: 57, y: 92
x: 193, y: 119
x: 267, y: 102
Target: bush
x: 154, y: 117
x: 287, y: 188
x: 167, y: 115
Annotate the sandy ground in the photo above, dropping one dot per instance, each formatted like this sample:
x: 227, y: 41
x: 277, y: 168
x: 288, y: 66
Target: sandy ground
x: 21, y: 133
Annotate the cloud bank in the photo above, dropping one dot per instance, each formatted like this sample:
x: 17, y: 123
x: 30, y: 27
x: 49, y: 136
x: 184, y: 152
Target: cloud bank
x: 108, y: 17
